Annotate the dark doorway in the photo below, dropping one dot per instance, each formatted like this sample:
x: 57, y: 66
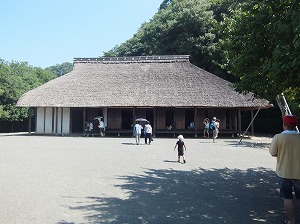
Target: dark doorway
x: 127, y: 119
x: 149, y: 116
x: 77, y: 120
x: 99, y: 113
x: 169, y: 118
x: 189, y: 117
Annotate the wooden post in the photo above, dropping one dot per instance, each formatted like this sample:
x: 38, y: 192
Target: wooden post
x: 239, y: 121
x: 252, y: 124
x: 61, y: 121
x: 195, y: 123
x: 154, y: 121
x: 29, y: 120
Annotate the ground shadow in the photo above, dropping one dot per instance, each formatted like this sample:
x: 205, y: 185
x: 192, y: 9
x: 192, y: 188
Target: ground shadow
x: 209, y: 196
x: 249, y: 144
x: 128, y: 143
x: 16, y: 134
x: 170, y: 161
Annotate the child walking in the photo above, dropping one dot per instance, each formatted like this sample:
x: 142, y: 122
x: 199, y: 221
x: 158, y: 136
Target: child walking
x: 181, y: 147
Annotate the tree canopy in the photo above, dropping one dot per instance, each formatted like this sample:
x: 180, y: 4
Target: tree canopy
x: 261, y: 46
x: 17, y: 78
x: 253, y: 43
x: 179, y: 27
x: 60, y: 69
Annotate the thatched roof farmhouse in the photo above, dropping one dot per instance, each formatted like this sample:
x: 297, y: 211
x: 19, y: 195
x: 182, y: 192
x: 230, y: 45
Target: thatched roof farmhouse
x: 163, y: 89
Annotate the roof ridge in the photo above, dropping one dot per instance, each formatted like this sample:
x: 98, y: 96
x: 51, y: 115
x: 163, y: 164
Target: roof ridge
x: 129, y: 59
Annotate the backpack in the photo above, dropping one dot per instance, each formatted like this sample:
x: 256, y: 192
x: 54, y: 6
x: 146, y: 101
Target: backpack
x: 212, y: 126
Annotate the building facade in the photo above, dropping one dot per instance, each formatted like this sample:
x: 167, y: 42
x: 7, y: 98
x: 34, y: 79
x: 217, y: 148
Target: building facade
x: 166, y: 90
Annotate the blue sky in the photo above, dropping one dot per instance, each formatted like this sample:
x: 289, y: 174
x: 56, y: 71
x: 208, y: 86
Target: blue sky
x: 49, y: 32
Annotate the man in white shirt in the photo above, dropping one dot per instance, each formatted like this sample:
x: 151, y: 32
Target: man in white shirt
x: 137, y: 131
x: 148, y: 132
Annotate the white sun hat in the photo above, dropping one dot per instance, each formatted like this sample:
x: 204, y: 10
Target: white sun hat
x: 180, y: 137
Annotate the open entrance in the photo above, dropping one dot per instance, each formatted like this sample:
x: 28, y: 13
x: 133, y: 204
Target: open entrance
x: 169, y: 118
x: 149, y: 116
x: 126, y: 119
x: 77, y: 120
x: 189, y: 117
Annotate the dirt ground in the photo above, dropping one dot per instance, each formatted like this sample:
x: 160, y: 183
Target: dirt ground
x: 74, y: 180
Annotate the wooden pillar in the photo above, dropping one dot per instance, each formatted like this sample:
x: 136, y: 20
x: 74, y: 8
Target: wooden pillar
x: 133, y: 115
x: 44, y: 120
x: 56, y: 120
x: 154, y: 121
x: 230, y: 119
x: 239, y: 121
x: 84, y: 115
x: 252, y: 124
x: 61, y: 121
x: 195, y: 123
x: 53, y: 120
x: 29, y: 119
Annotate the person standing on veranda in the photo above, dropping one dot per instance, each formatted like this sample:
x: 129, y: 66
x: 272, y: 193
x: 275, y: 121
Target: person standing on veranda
x: 206, y: 128
x: 286, y: 147
x: 91, y: 128
x: 101, y: 127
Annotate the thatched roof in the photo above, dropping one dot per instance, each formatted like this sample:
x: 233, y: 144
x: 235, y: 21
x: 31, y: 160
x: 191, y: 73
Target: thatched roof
x: 145, y: 81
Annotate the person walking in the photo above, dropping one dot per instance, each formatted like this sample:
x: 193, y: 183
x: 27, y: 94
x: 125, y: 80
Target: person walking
x: 214, y: 126
x: 101, y: 127
x: 137, y: 131
x: 87, y: 128
x: 286, y: 147
x: 148, y: 132
x: 181, y: 148
x: 91, y: 128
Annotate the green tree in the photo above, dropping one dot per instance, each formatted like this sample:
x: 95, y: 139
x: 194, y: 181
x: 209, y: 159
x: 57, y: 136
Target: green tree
x: 17, y: 78
x: 179, y: 27
x: 260, y: 40
x: 60, y: 69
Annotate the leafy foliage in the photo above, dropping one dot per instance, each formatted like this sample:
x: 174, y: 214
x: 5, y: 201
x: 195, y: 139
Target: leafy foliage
x: 255, y: 41
x: 60, y: 69
x: 261, y: 43
x: 17, y: 78
x: 180, y: 27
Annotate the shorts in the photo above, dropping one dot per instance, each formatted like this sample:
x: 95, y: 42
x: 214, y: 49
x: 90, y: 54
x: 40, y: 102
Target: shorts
x: 180, y: 152
x: 286, y: 188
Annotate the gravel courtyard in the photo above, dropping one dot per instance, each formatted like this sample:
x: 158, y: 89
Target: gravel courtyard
x: 74, y: 180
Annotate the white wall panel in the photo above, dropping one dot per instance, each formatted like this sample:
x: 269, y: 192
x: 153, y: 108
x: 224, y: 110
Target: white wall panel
x: 48, y: 121
x: 66, y: 120
x: 39, y: 120
x: 53, y: 120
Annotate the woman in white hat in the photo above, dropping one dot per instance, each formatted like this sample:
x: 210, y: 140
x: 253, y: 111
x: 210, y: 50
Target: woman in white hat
x: 181, y: 147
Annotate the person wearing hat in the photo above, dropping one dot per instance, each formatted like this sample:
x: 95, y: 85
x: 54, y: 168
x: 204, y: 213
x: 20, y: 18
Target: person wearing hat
x: 181, y: 147
x: 286, y: 147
